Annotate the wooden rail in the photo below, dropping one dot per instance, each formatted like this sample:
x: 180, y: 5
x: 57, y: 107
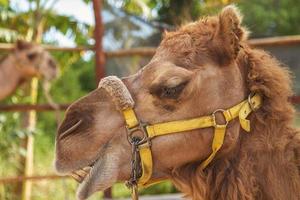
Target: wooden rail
x: 17, y: 179
x: 11, y: 46
x: 141, y: 51
x: 29, y: 107
x: 149, y: 51
x: 276, y: 41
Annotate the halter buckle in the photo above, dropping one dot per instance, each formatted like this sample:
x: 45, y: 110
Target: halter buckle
x: 141, y: 127
x: 215, y: 123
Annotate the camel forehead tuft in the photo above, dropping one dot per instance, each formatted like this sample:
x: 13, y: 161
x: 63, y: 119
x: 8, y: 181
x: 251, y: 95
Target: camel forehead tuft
x: 190, y: 44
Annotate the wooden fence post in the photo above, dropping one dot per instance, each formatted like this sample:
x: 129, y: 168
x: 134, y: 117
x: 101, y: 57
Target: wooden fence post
x: 30, y: 123
x: 99, y: 55
x: 98, y: 35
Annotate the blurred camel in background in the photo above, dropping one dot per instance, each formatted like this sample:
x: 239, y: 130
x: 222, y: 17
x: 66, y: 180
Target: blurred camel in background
x: 25, y: 62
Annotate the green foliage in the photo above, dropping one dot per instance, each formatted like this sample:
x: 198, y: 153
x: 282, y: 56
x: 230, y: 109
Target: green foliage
x: 176, y: 12
x: 3, y: 2
x: 19, y: 24
x: 271, y: 17
x: 264, y: 18
x: 68, y: 25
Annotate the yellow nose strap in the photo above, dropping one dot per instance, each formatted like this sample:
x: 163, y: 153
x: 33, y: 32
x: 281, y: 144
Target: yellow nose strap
x: 241, y: 111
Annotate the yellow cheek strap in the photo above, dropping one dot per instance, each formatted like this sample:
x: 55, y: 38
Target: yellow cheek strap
x: 241, y: 111
x: 146, y: 162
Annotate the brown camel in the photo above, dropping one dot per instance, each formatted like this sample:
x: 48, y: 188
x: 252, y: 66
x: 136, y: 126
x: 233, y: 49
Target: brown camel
x: 26, y: 61
x: 198, y: 69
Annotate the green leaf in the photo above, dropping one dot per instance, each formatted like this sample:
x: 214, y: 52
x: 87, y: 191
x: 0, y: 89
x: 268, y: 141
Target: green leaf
x: 4, y: 2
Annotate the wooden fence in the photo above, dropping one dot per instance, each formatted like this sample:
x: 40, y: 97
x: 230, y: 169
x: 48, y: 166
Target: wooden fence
x: 146, y: 52
x: 149, y: 51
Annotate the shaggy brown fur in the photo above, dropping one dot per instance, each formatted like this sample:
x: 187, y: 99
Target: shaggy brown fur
x: 266, y: 162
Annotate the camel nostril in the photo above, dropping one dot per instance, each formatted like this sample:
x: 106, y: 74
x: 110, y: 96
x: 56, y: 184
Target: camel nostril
x: 68, y: 128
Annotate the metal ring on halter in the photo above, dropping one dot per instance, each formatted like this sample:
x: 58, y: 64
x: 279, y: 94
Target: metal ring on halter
x: 251, y: 104
x: 214, y: 118
x: 139, y: 128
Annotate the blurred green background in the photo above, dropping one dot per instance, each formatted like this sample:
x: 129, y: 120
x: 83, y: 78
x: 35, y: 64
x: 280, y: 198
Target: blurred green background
x: 128, y: 23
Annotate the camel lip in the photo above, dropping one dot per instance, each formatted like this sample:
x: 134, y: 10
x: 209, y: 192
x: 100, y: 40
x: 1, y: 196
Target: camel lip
x: 101, y: 176
x: 87, y: 182
x: 92, y: 164
x: 63, y: 169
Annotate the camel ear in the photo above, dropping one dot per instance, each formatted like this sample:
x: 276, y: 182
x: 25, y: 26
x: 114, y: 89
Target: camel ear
x: 22, y: 45
x: 229, y: 32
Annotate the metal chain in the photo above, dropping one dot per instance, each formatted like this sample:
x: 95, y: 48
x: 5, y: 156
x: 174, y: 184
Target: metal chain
x: 135, y: 166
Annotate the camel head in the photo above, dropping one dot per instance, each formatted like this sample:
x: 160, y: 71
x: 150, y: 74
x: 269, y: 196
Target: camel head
x: 32, y: 60
x: 194, y: 72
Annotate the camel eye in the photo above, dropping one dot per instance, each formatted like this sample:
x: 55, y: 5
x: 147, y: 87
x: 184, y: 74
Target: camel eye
x: 172, y: 92
x: 32, y: 56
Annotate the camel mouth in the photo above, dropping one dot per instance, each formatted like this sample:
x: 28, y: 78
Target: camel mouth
x: 80, y: 174
x: 100, y: 175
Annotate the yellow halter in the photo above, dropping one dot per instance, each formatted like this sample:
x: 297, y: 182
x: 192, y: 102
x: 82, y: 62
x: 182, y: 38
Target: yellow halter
x: 241, y: 110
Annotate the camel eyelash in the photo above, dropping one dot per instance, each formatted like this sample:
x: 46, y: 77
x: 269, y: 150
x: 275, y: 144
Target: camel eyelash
x: 166, y: 92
